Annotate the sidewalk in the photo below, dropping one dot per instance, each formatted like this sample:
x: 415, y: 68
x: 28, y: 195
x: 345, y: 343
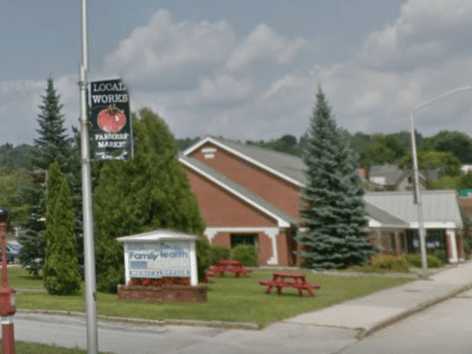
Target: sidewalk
x: 375, y: 311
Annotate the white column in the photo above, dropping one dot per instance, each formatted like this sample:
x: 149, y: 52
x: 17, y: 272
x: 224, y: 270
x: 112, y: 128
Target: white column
x: 272, y: 233
x: 451, y: 240
x: 127, y: 277
x: 210, y: 233
x: 193, y: 264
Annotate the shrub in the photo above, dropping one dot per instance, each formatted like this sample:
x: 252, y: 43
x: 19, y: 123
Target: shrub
x: 246, y: 254
x: 203, y: 256
x: 388, y: 263
x: 467, y: 246
x: 433, y: 261
x: 217, y: 253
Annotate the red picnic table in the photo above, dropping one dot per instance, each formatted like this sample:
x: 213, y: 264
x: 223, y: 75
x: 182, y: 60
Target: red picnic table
x: 227, y: 266
x: 282, y: 280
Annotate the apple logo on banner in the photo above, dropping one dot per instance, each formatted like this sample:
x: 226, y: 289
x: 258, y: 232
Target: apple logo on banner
x: 111, y: 119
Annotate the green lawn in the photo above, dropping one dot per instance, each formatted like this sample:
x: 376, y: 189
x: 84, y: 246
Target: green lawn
x: 229, y: 299
x: 33, y: 348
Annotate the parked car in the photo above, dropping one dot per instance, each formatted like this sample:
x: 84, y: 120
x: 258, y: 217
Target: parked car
x: 13, y: 252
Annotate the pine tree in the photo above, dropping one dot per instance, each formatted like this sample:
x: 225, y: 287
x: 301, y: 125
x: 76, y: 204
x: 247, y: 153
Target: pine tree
x: 61, y: 274
x: 51, y: 145
x: 149, y: 192
x: 332, y: 210
x: 31, y: 237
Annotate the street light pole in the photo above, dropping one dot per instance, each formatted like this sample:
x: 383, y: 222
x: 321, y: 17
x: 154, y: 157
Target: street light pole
x: 89, y: 247
x: 419, y: 204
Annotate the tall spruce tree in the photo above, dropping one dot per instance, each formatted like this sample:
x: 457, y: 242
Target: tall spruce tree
x: 332, y: 209
x: 51, y: 145
x: 149, y: 192
x: 61, y: 274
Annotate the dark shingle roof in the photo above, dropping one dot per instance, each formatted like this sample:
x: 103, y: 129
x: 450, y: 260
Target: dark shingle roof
x: 289, y: 165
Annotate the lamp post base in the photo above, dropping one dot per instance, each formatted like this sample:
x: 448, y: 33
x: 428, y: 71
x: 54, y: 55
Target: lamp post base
x: 8, y: 335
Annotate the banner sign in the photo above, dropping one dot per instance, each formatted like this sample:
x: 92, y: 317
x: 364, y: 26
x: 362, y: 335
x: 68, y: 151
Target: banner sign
x: 111, y: 128
x: 159, y: 259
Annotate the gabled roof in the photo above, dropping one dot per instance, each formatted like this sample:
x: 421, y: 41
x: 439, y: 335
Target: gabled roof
x: 384, y: 218
x: 439, y: 206
x: 391, y: 209
x: 392, y: 173
x: 239, y: 191
x: 285, y: 166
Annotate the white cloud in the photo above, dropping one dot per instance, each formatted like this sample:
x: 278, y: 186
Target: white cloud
x: 264, y: 46
x: 422, y: 54
x: 19, y: 101
x: 206, y: 78
x: 166, y: 54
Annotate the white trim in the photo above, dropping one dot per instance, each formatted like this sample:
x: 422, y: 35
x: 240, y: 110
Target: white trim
x: 209, y: 150
x: 451, y: 235
x: 434, y: 225
x: 244, y: 157
x: 193, y: 264
x: 211, y: 232
x: 281, y: 222
x: 271, y: 232
x: 127, y: 277
x: 375, y: 224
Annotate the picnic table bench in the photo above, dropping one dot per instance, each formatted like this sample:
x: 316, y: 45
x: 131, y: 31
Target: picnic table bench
x: 227, y: 266
x: 296, y: 281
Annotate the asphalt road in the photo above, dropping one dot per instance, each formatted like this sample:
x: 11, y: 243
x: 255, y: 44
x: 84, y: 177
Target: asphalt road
x: 443, y: 329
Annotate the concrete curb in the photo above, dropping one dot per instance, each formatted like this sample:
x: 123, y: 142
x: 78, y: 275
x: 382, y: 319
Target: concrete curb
x: 142, y: 321
x: 407, y: 313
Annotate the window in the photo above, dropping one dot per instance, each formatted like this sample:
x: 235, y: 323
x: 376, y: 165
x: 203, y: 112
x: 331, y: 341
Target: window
x: 243, y: 239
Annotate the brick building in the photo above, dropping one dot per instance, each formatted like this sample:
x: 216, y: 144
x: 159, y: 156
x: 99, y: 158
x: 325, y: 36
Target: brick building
x: 251, y: 195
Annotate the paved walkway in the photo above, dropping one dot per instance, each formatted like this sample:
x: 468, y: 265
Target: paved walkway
x: 322, y: 332
x: 371, y: 312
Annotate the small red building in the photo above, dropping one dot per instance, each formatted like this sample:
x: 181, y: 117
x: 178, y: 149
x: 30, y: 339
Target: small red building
x: 251, y: 195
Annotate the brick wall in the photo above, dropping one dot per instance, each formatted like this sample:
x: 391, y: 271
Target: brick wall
x: 281, y: 194
x: 220, y: 208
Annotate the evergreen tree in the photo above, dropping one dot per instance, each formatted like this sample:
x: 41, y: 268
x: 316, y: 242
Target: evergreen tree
x: 51, y: 145
x: 149, y: 192
x: 31, y: 236
x: 332, y: 210
x: 61, y: 274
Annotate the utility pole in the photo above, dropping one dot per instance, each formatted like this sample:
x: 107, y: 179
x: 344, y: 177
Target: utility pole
x: 89, y: 247
x: 419, y: 204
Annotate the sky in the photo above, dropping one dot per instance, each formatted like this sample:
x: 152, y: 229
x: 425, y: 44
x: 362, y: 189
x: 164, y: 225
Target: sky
x: 244, y: 69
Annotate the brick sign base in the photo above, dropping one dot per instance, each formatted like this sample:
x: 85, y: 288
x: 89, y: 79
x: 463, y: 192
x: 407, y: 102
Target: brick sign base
x: 166, y: 293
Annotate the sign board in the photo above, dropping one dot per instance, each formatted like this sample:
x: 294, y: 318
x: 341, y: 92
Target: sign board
x: 159, y: 259
x: 160, y: 254
x: 111, y: 126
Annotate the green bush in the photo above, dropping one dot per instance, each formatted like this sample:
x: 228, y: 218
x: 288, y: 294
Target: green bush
x: 217, y: 253
x: 467, y: 246
x: 203, y: 256
x: 246, y: 254
x: 108, y: 281
x: 388, y: 263
x: 433, y: 262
